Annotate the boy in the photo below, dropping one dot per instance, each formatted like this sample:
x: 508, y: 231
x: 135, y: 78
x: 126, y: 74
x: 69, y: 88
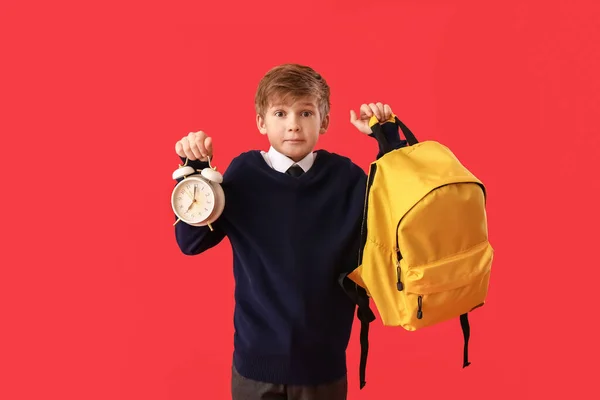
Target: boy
x: 293, y: 218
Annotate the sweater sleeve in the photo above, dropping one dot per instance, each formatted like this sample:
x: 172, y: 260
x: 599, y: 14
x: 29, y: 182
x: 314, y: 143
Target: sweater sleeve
x: 356, y: 192
x: 194, y: 240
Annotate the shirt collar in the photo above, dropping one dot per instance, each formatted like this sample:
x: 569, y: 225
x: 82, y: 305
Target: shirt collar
x: 282, y: 163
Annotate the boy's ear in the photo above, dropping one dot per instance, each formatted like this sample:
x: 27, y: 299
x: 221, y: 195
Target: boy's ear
x: 260, y: 123
x: 324, y: 125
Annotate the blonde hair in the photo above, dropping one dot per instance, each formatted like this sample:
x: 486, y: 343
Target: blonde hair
x: 293, y: 80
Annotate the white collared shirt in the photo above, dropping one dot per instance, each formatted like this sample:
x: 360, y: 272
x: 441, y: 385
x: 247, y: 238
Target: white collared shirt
x: 282, y: 163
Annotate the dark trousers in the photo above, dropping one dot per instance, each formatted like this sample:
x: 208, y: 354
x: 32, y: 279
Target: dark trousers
x: 246, y: 389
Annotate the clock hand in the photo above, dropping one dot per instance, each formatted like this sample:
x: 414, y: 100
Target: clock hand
x: 193, y: 198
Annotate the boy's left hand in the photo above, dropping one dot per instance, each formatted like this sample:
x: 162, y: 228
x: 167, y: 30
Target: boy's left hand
x: 382, y: 111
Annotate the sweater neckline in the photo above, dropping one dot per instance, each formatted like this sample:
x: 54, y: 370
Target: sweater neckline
x: 321, y: 157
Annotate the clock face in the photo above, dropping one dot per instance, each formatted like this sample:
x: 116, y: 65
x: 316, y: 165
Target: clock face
x: 193, y: 200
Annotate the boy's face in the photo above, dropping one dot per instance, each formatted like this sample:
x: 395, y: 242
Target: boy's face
x: 293, y: 127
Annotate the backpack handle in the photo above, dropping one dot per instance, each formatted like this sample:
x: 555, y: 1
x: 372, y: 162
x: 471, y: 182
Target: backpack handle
x: 377, y: 132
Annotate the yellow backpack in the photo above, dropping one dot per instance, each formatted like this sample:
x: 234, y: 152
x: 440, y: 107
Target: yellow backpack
x: 424, y: 257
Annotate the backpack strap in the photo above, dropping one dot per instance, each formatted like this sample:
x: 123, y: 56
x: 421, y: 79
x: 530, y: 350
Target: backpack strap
x: 378, y: 133
x: 466, y: 329
x: 410, y: 137
x: 365, y: 315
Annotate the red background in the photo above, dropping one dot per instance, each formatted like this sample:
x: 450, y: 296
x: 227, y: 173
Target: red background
x: 97, y: 302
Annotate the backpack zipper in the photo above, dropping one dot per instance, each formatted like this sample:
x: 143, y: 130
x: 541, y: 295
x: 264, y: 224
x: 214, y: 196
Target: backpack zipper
x: 399, y: 284
x: 420, y: 307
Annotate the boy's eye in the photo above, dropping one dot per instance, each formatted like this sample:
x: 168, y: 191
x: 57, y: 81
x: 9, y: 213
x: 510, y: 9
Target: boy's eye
x: 307, y: 113
x: 278, y: 113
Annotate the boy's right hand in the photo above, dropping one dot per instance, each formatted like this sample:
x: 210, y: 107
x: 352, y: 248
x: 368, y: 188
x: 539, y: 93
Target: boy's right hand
x: 381, y: 111
x: 195, y: 146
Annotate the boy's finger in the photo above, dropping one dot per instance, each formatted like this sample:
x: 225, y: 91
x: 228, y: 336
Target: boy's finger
x: 195, y: 143
x: 200, y: 146
x: 179, y: 149
x: 208, y: 146
x: 186, y: 150
x: 375, y: 110
x: 365, y: 110
x: 194, y: 149
x: 381, y: 110
x: 388, y: 111
x: 194, y: 136
x: 353, y: 116
x: 197, y: 138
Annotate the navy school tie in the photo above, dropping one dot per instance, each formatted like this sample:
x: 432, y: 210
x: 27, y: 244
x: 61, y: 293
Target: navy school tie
x: 295, y: 171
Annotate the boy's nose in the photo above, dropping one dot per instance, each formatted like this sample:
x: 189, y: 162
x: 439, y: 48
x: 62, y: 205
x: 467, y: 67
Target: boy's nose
x: 293, y: 126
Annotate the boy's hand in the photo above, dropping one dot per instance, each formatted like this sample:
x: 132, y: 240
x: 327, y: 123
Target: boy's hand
x: 195, y: 146
x: 382, y: 111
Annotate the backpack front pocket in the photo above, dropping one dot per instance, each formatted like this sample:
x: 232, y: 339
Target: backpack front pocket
x: 447, y: 288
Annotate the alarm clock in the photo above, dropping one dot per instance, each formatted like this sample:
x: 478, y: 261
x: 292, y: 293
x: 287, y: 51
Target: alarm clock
x: 198, y: 199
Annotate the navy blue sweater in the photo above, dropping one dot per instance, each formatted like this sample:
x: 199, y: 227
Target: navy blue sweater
x: 291, y: 238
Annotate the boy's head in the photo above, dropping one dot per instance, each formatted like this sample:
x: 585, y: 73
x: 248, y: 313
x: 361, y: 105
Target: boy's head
x: 292, y: 109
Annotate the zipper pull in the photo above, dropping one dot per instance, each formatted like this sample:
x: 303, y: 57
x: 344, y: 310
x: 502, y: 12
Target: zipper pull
x: 399, y: 284
x: 420, y: 307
